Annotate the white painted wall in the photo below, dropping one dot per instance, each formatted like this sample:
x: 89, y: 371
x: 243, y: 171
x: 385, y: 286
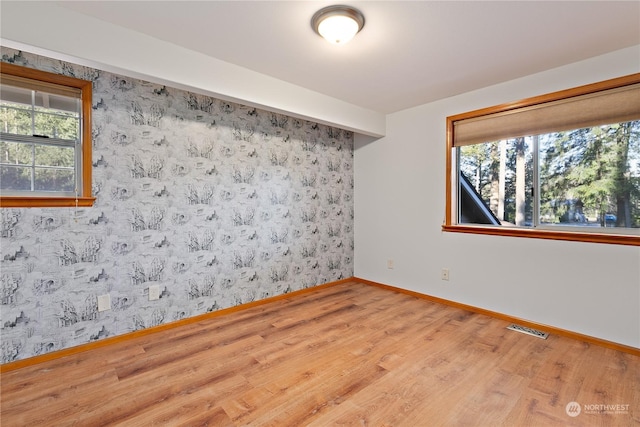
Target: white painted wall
x: 593, y: 289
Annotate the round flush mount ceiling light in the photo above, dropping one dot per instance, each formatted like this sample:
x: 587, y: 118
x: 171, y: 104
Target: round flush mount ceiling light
x: 337, y: 24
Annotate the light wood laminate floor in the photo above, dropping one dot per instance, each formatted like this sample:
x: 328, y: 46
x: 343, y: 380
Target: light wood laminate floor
x: 346, y: 355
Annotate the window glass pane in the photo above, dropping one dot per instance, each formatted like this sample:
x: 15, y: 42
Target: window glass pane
x: 587, y: 178
x: 54, y: 180
x: 15, y: 119
x: 57, y: 116
x: 16, y: 153
x: 15, y: 178
x: 54, y: 156
x: 591, y: 177
x: 50, y: 123
x: 500, y: 181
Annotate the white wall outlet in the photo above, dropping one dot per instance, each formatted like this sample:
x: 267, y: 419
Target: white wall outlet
x: 444, y: 274
x: 104, y: 302
x: 154, y: 292
x: 390, y: 264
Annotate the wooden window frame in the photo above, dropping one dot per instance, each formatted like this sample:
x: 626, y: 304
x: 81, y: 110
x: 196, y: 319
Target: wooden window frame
x: 451, y: 224
x: 84, y: 197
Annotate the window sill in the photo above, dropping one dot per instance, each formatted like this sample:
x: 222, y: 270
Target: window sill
x: 616, y: 239
x: 45, y: 202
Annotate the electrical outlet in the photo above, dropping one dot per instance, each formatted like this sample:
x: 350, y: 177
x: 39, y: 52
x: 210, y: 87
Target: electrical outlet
x: 390, y: 264
x: 154, y: 292
x: 444, y: 274
x: 104, y: 302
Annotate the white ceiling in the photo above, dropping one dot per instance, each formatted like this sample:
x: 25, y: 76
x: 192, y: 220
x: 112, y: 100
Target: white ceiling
x: 408, y: 54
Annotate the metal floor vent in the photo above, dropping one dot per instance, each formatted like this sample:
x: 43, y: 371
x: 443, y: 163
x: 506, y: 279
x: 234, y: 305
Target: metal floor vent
x: 529, y: 331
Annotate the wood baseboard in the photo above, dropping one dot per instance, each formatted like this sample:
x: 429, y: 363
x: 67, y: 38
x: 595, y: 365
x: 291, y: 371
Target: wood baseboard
x: 546, y: 328
x: 11, y: 366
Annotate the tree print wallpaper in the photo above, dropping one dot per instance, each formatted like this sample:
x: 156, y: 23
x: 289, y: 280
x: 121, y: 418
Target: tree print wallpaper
x: 217, y: 203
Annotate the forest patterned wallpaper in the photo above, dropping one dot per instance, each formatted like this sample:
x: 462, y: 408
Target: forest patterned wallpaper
x: 217, y: 203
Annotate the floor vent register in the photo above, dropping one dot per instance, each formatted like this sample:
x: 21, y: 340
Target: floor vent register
x: 529, y: 331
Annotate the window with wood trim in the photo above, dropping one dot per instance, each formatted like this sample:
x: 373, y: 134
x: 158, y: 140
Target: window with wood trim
x: 45, y: 139
x: 562, y: 166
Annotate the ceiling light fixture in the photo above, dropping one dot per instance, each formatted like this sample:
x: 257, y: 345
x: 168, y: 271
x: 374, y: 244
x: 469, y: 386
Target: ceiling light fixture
x: 337, y: 24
